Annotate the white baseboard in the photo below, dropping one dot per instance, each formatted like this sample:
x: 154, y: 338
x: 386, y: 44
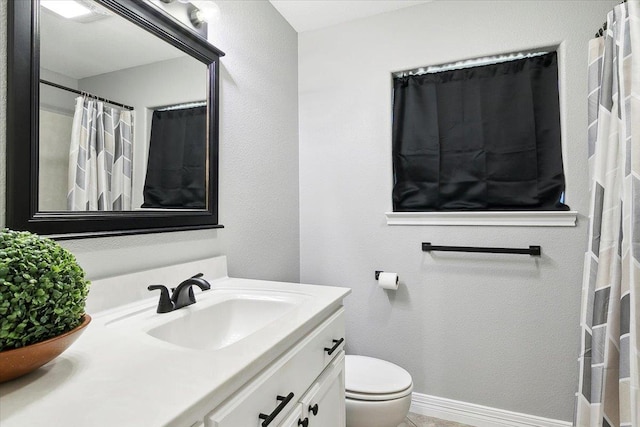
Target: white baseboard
x: 477, y: 415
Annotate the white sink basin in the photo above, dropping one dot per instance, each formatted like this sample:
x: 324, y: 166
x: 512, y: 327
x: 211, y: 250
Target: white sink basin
x: 223, y: 317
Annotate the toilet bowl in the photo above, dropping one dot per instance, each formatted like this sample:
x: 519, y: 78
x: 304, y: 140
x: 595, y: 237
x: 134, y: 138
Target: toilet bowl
x: 378, y: 393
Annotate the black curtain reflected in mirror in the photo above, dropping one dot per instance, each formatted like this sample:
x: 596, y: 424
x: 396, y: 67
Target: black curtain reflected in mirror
x: 176, y: 169
x: 480, y: 138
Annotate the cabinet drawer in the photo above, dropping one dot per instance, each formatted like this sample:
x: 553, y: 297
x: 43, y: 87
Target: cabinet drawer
x: 269, y: 392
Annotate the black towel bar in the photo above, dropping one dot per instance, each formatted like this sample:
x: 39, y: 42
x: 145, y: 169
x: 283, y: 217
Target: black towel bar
x: 532, y: 250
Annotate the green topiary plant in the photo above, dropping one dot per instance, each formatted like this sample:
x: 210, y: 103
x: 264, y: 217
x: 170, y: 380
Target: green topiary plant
x: 42, y: 289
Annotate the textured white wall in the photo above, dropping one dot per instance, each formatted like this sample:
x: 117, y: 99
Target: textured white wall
x: 494, y: 330
x: 55, y: 135
x: 258, y: 160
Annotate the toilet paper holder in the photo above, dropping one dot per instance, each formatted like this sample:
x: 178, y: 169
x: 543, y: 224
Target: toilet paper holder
x: 378, y: 274
x: 387, y: 280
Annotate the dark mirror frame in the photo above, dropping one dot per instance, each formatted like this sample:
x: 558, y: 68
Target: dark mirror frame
x: 23, y: 75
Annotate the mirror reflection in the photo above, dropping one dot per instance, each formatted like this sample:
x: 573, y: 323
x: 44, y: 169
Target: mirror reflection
x: 122, y: 117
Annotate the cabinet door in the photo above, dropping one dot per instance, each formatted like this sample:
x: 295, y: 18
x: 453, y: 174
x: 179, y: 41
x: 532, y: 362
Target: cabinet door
x: 324, y: 404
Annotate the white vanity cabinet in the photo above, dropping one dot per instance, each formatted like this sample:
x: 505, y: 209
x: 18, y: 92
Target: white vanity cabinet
x: 260, y: 340
x: 309, y: 373
x: 323, y: 404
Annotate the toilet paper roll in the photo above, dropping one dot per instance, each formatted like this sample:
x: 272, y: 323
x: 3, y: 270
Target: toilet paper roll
x: 387, y: 280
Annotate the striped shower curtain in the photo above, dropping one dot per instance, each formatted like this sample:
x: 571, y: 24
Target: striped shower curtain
x: 100, y: 157
x: 608, y: 393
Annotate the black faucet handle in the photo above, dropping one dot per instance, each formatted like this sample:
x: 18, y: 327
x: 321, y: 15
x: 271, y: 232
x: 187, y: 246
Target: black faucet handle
x: 165, y: 304
x: 195, y: 276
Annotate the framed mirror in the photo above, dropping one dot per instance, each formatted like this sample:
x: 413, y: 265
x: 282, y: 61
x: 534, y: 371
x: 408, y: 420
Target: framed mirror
x: 112, y: 121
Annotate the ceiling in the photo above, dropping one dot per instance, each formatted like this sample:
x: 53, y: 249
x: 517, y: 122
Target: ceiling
x: 307, y: 15
x: 84, y: 49
x: 104, y: 45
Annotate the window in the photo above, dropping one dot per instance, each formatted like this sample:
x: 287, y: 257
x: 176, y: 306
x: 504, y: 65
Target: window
x: 483, y: 138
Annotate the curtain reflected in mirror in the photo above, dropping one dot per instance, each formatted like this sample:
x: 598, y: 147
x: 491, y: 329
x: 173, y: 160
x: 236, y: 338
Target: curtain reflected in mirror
x: 100, y: 157
x: 177, y: 166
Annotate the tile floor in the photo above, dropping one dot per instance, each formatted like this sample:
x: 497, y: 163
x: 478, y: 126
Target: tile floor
x: 415, y: 420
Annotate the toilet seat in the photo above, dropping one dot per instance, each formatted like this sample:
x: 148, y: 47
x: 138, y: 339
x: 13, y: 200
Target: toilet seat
x: 370, y: 379
x: 378, y: 397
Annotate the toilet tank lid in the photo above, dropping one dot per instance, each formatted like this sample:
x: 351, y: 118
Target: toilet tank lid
x: 374, y: 376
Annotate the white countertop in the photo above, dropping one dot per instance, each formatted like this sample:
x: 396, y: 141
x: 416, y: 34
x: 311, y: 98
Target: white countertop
x: 114, y: 375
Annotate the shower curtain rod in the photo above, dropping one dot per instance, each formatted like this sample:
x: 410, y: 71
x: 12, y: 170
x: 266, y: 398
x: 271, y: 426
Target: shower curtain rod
x: 183, y: 106
x: 80, y: 92
x: 468, y: 63
x: 603, y: 28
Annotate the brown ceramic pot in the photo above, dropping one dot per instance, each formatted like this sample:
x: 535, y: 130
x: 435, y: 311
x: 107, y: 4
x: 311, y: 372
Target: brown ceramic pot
x: 20, y: 361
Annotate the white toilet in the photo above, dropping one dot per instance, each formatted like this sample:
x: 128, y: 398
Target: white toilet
x: 378, y: 393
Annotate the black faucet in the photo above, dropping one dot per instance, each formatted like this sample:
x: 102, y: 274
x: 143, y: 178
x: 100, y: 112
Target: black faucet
x: 182, y: 295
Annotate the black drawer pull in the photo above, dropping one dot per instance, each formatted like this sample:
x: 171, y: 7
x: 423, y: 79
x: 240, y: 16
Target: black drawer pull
x: 283, y: 402
x: 304, y: 423
x: 314, y: 409
x: 336, y: 344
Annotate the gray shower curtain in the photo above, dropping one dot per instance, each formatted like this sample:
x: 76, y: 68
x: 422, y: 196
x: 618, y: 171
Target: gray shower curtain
x: 609, y: 382
x: 100, y: 157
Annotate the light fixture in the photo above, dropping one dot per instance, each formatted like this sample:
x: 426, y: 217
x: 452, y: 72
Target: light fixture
x: 66, y: 8
x: 197, y: 16
x: 208, y: 11
x: 194, y: 12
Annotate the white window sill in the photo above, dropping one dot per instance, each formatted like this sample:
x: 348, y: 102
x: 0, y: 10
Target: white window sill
x: 498, y: 218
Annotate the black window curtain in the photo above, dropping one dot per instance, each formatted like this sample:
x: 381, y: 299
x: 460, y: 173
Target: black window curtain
x: 176, y: 169
x: 481, y: 138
